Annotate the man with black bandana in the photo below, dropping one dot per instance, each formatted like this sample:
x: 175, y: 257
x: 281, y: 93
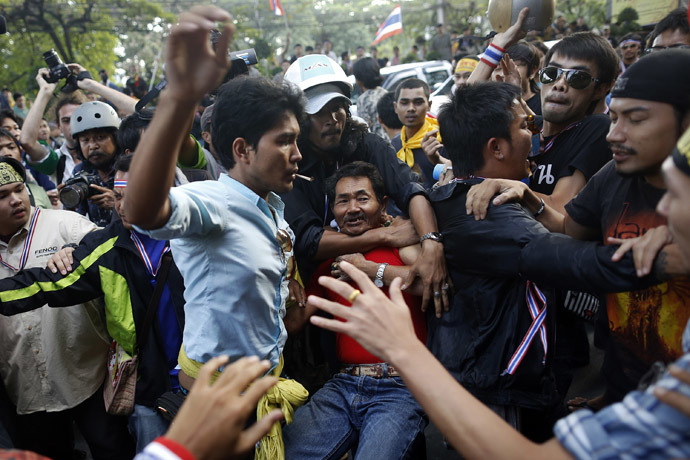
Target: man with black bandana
x: 52, y: 359
x: 650, y: 109
x: 330, y: 138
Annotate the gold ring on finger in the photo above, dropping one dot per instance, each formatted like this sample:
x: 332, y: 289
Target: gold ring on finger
x: 353, y: 295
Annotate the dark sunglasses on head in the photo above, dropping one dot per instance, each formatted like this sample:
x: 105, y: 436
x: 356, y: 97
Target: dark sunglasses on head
x: 576, y: 79
x: 661, y: 48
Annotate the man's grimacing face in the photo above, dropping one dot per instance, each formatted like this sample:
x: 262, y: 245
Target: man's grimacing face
x: 355, y: 207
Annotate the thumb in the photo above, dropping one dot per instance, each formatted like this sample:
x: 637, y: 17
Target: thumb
x: 409, y: 279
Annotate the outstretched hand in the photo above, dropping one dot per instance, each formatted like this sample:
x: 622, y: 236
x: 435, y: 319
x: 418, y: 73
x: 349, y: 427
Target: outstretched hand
x: 381, y: 325
x: 193, y: 67
x: 211, y: 422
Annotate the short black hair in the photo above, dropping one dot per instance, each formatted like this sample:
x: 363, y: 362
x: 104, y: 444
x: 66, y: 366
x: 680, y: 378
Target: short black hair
x: 16, y: 165
x: 675, y: 20
x: 17, y: 95
x: 588, y: 46
x: 386, y: 111
x: 475, y: 114
x: 6, y: 133
x: 309, y: 48
x: 248, y: 108
x: 357, y: 169
x: 129, y: 133
x: 412, y: 83
x: 123, y: 163
x: 9, y: 113
x: 367, y: 71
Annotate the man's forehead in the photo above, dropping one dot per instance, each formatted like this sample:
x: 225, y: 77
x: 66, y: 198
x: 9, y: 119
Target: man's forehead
x: 67, y: 109
x: 412, y: 93
x: 672, y: 37
x: 621, y: 105
x: 353, y: 184
x: 565, y: 62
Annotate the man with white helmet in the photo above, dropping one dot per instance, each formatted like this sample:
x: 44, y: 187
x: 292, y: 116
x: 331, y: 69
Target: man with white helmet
x: 330, y: 138
x: 94, y: 126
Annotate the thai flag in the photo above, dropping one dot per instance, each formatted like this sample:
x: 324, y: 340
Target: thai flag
x: 391, y: 26
x: 276, y: 8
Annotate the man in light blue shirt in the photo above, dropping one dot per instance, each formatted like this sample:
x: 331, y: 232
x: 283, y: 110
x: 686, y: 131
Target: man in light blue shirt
x: 228, y: 237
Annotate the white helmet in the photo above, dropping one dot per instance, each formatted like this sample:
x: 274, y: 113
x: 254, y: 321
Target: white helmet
x: 321, y: 79
x: 93, y: 115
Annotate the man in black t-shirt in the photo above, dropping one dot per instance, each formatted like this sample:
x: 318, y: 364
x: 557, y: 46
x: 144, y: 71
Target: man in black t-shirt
x: 649, y: 111
x: 571, y: 147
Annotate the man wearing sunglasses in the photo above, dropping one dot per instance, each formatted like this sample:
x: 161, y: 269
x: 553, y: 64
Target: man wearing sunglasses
x: 649, y: 111
x: 630, y: 47
x: 671, y: 32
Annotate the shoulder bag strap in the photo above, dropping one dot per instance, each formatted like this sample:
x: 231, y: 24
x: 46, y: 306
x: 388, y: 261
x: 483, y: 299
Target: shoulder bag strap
x: 155, y: 298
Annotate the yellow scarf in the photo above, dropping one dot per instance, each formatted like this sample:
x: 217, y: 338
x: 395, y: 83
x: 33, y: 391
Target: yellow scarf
x: 408, y: 145
x: 287, y: 395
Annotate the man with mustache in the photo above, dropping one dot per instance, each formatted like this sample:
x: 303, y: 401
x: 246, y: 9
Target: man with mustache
x: 52, y: 359
x: 365, y: 406
x: 650, y: 109
x: 94, y: 126
x: 329, y: 139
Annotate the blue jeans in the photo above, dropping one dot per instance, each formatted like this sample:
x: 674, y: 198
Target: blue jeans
x: 378, y: 417
x: 146, y: 424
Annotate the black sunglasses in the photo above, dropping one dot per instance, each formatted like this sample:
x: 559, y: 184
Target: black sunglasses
x: 661, y: 48
x: 576, y: 79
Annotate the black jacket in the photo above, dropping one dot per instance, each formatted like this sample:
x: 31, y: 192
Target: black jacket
x: 107, y: 264
x: 306, y: 209
x: 489, y: 262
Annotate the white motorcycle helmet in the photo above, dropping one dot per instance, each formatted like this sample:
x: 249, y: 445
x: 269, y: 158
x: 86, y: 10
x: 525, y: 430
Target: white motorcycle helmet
x: 93, y: 115
x: 321, y: 79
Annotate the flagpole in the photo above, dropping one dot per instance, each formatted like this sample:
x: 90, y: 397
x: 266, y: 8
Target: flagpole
x: 402, y: 34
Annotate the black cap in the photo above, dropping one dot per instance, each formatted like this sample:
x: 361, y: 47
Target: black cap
x: 661, y: 76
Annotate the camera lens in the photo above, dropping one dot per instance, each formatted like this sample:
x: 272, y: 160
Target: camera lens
x: 72, y: 195
x: 52, y: 59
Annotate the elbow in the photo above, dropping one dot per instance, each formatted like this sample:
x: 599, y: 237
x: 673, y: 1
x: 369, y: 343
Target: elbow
x: 26, y: 137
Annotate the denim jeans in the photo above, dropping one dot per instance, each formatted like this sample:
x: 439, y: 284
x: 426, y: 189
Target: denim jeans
x: 378, y: 418
x: 146, y: 424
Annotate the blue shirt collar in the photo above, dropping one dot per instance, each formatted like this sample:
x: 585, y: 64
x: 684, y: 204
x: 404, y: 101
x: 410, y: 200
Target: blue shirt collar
x: 273, y: 200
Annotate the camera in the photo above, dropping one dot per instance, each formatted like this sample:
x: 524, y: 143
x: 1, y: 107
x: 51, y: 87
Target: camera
x: 77, y: 189
x: 58, y: 70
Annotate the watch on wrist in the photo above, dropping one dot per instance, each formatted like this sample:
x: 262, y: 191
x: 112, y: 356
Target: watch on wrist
x: 434, y: 236
x: 378, y: 281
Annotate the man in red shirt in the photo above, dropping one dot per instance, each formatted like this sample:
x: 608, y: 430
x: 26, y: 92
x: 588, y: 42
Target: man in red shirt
x: 365, y: 406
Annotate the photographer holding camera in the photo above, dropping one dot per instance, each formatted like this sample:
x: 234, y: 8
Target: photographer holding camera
x: 90, y: 190
x: 59, y: 165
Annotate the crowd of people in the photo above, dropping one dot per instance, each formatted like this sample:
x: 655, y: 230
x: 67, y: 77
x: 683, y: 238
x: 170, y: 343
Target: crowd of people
x: 293, y: 281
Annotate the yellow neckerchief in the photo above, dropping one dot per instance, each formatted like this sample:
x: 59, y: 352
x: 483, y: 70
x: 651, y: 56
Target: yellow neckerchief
x: 408, y: 145
x: 287, y: 395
